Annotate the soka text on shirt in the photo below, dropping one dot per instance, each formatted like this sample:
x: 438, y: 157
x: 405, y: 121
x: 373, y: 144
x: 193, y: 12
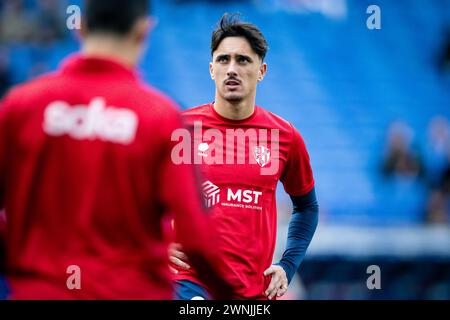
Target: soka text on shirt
x: 90, y: 122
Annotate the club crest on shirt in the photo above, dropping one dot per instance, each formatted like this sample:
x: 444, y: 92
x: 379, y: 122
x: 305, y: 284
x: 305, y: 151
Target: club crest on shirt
x: 262, y: 155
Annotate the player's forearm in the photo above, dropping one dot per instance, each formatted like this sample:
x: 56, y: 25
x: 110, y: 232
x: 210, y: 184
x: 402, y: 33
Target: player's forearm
x: 302, y: 227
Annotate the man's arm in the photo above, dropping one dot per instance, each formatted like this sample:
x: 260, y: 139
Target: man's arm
x: 181, y: 196
x: 3, y: 154
x: 301, y: 230
x: 302, y: 227
x: 2, y: 241
x: 3, y: 151
x: 298, y: 182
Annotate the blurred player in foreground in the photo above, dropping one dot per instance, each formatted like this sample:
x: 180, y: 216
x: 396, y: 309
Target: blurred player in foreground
x: 86, y: 175
x: 241, y: 174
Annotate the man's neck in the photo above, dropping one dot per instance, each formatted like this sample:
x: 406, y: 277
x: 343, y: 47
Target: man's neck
x: 234, y: 111
x: 111, y: 48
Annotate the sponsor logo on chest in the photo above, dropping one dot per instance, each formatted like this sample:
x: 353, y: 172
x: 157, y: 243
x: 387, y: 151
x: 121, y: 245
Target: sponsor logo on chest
x: 237, y: 198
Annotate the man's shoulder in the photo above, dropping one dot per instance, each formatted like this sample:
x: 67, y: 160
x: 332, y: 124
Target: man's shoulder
x: 156, y: 98
x: 199, y: 113
x: 148, y: 102
x: 30, y: 87
x: 275, y: 121
x: 27, y: 95
x: 203, y: 109
x: 153, y: 106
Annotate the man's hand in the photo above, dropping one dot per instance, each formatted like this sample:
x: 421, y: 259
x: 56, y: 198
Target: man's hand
x: 279, y: 283
x: 177, y: 257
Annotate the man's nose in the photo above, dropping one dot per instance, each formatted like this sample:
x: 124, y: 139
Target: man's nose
x: 232, y: 69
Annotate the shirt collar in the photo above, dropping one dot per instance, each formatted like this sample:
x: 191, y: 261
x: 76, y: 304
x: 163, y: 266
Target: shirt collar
x: 231, y: 121
x: 92, y: 64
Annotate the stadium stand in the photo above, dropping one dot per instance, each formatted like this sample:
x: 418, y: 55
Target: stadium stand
x: 342, y: 85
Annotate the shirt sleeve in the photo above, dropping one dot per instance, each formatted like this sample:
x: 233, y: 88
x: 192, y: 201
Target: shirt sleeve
x: 3, y: 154
x: 180, y: 195
x: 297, y: 176
x: 2, y: 240
x: 179, y: 189
x: 3, y: 151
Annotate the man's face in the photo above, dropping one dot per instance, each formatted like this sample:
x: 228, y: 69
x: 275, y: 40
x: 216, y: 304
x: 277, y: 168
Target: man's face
x: 236, y: 69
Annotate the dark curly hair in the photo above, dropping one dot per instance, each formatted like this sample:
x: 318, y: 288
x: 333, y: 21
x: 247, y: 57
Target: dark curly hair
x: 231, y: 26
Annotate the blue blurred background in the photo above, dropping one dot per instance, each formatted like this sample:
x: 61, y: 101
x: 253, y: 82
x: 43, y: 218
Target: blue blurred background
x: 372, y: 105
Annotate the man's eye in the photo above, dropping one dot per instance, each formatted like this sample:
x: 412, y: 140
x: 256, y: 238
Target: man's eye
x: 222, y: 59
x: 242, y: 60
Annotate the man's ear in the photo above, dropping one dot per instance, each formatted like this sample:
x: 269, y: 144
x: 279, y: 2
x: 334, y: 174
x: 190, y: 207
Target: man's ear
x: 83, y: 32
x: 143, y: 28
x: 211, y: 70
x: 262, y: 71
